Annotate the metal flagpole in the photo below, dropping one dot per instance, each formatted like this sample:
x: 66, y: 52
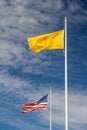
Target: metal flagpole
x: 50, y: 109
x: 66, y: 85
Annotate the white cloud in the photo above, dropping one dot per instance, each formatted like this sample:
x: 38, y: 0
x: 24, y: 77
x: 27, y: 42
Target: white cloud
x: 15, y: 88
x: 77, y: 110
x: 24, y: 91
x: 20, y: 19
x: 11, y: 53
x: 16, y: 120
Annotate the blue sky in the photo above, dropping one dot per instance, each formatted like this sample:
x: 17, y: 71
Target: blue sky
x: 26, y: 76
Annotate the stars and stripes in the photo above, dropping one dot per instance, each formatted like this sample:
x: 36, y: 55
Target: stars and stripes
x: 41, y: 104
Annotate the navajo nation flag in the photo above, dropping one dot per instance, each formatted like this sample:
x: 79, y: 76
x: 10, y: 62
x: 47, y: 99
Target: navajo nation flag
x: 41, y: 104
x: 48, y: 41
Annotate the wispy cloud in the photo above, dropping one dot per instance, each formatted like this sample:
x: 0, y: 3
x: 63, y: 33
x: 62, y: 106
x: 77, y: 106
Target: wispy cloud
x: 77, y: 110
x: 21, y: 19
x: 25, y: 75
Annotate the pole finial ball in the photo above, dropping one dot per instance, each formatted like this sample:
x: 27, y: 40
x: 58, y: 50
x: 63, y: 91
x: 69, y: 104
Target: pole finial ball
x: 65, y: 19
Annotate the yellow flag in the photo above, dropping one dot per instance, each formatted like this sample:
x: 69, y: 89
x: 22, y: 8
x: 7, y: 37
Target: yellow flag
x: 48, y: 41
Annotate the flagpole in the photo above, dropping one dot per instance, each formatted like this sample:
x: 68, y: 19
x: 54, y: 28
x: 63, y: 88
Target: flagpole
x: 50, y: 109
x: 66, y: 84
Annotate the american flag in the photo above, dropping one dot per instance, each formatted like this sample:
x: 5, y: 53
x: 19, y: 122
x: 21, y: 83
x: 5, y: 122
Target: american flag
x: 41, y: 104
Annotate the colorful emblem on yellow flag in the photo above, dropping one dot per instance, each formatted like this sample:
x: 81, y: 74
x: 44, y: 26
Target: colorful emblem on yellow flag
x: 48, y: 41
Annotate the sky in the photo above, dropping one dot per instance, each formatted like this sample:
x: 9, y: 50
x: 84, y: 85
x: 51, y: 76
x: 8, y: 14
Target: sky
x: 26, y: 76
